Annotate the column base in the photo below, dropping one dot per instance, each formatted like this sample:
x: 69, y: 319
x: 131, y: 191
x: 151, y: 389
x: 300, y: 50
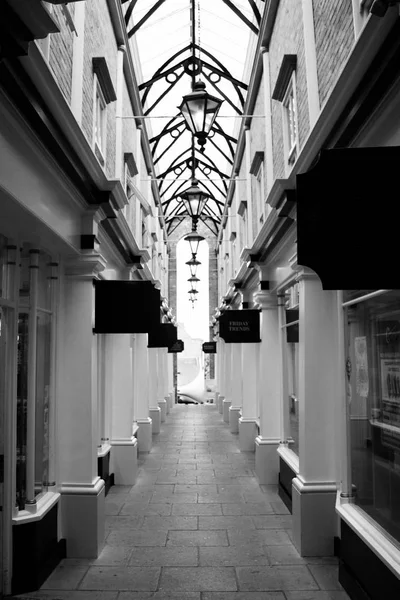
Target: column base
x: 314, y: 517
x: 83, y: 515
x: 124, y: 460
x: 248, y: 431
x: 155, y: 416
x: 234, y: 414
x: 267, y: 460
x: 144, y: 434
x: 226, y: 404
x: 163, y: 407
x: 221, y: 399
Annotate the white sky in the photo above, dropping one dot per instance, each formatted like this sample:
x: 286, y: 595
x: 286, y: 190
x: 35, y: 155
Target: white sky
x: 195, y: 320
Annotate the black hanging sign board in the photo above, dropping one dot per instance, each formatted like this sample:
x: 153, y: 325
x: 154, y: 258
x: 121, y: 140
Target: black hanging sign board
x: 125, y: 306
x: 179, y: 346
x: 348, y: 216
x: 164, y: 336
x: 210, y: 347
x: 240, y: 326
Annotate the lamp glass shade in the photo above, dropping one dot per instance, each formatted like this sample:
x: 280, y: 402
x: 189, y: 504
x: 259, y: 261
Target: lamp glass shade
x: 194, y: 199
x: 199, y: 109
x: 194, y: 241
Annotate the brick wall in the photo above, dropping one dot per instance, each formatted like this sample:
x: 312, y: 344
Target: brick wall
x: 257, y: 143
x: 334, y: 38
x: 288, y: 38
x: 60, y: 51
x: 99, y: 41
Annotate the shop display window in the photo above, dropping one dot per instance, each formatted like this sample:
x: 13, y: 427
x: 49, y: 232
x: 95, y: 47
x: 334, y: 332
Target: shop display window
x: 291, y: 345
x: 33, y: 393
x: 373, y: 393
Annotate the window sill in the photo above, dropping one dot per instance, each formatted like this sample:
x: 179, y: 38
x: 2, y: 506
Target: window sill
x: 370, y: 532
x: 42, y: 507
x: 290, y: 458
x: 103, y: 450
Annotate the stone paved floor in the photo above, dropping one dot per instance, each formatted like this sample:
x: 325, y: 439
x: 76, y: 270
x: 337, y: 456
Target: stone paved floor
x: 195, y: 526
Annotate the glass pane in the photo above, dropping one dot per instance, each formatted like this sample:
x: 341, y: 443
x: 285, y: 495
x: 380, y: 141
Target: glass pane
x: 373, y: 372
x: 42, y: 401
x: 22, y: 401
x: 293, y: 397
x: 24, y: 281
x: 44, y: 289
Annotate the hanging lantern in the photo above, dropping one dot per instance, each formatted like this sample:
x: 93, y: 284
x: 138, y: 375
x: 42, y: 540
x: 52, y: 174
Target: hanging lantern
x: 194, y: 199
x: 199, y: 109
x: 194, y: 241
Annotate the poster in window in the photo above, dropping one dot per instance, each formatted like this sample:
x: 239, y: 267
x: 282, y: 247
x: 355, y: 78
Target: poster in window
x: 362, y: 382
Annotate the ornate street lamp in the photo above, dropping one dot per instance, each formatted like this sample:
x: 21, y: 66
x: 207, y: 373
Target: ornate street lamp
x: 199, y: 109
x: 194, y: 199
x: 193, y: 280
x: 194, y: 241
x: 193, y: 264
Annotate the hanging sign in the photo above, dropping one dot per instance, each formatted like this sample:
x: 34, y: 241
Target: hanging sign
x: 210, y: 348
x: 125, y: 306
x: 240, y: 326
x: 164, y: 336
x: 178, y: 346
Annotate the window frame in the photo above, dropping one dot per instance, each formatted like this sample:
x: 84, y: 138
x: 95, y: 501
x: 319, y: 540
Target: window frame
x: 290, y: 124
x: 99, y: 101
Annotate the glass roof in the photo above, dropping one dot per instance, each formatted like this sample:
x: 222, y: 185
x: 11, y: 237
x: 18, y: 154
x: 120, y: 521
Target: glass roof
x: 217, y: 45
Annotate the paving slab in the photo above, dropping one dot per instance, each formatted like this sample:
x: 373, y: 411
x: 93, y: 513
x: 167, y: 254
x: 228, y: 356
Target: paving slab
x: 197, y: 538
x: 275, y: 578
x: 198, y: 579
x: 127, y: 578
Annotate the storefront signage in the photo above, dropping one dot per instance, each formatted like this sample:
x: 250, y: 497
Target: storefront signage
x: 164, y: 336
x: 210, y: 348
x: 347, y: 243
x: 125, y: 306
x: 240, y: 326
x: 178, y: 346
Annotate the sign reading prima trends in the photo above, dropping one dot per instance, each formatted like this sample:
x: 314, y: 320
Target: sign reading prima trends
x: 240, y: 326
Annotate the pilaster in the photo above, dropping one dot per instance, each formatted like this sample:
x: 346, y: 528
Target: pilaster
x: 141, y: 392
x: 124, y: 444
x: 236, y: 394
x: 82, y: 489
x: 154, y: 409
x: 267, y: 460
x: 314, y: 489
x: 248, y: 422
x: 161, y: 384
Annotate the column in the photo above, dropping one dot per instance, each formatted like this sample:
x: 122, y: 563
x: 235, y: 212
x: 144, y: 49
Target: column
x: 141, y: 393
x: 154, y: 409
x: 81, y: 488
x: 170, y: 370
x: 236, y: 394
x: 162, y: 403
x: 267, y: 442
x: 221, y: 396
x: 314, y: 489
x: 123, y: 442
x: 228, y: 383
x: 248, y: 426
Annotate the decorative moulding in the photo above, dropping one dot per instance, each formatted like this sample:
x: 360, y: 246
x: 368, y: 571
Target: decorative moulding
x: 258, y: 159
x: 288, y: 65
x: 103, y: 75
